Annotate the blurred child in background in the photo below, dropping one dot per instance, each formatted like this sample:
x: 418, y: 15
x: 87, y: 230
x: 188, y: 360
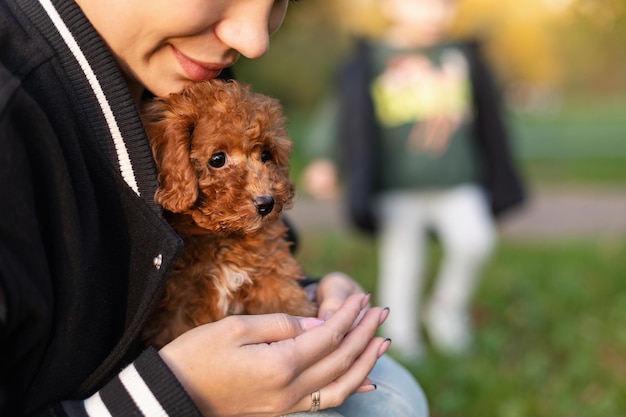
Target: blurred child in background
x: 424, y: 151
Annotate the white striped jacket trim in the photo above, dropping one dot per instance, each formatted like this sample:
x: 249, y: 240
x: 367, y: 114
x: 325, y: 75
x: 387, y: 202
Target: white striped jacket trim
x: 141, y: 393
x: 136, y: 388
x: 126, y: 167
x: 94, y: 406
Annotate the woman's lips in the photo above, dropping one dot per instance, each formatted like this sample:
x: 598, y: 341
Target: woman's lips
x: 195, y: 70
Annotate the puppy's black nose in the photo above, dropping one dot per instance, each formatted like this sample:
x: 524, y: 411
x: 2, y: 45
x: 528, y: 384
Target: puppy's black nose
x: 264, y: 205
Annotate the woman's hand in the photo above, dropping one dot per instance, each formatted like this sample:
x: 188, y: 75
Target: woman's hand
x: 332, y: 291
x: 268, y: 365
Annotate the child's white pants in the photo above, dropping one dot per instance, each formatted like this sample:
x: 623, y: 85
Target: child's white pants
x: 462, y: 220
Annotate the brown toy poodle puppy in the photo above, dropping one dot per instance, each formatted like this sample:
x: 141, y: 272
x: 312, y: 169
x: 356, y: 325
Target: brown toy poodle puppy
x: 222, y: 154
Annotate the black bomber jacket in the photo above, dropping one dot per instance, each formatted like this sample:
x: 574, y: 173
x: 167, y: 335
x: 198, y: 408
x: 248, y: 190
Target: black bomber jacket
x: 84, y: 250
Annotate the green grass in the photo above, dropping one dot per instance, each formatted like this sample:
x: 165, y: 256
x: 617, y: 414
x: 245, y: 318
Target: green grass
x: 587, y: 172
x: 582, y: 144
x: 550, y: 329
x: 550, y: 316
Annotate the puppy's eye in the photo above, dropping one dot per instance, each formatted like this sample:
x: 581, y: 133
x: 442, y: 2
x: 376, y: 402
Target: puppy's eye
x: 218, y: 160
x: 266, y: 156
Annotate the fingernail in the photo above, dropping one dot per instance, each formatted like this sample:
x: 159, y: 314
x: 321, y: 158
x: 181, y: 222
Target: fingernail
x: 383, y: 348
x: 366, y: 300
x: 326, y: 315
x: 309, y: 322
x: 367, y: 388
x: 384, y: 315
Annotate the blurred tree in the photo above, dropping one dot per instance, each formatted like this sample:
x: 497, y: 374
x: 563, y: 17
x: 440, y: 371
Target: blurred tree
x: 592, y: 35
x: 302, y: 57
x: 518, y: 37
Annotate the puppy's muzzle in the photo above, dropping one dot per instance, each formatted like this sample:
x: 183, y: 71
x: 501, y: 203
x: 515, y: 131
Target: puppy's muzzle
x: 264, y: 205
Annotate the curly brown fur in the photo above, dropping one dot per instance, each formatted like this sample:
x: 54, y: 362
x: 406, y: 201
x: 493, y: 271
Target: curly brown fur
x: 222, y: 154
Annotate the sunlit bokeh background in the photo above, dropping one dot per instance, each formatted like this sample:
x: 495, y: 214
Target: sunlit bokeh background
x: 551, y: 312
x: 561, y: 64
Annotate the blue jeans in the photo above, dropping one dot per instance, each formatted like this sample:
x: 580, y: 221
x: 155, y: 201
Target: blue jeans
x: 397, y: 395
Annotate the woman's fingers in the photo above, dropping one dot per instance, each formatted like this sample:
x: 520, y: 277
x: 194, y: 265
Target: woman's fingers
x: 318, y: 342
x: 299, y: 343
x: 344, y: 371
x: 268, y: 328
x: 342, y: 357
x: 354, y: 380
x: 332, y: 292
x: 269, y: 363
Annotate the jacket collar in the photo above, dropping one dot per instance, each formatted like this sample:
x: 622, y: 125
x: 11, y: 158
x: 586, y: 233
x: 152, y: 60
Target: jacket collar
x: 101, y: 90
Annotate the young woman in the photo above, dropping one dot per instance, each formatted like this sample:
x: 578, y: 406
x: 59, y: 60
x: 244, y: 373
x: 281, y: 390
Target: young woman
x: 84, y: 250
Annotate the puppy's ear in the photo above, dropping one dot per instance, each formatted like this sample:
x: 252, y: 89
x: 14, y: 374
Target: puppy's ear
x: 169, y: 124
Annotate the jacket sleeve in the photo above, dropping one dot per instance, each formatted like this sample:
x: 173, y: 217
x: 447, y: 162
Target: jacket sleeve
x: 146, y: 387
x: 500, y: 176
x: 358, y: 133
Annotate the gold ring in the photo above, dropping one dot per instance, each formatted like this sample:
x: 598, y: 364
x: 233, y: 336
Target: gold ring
x: 315, y: 401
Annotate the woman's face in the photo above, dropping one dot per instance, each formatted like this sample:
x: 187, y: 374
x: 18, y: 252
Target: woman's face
x: 426, y: 21
x: 162, y: 45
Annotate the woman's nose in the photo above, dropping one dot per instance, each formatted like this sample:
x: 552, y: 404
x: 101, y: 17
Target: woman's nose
x: 247, y: 32
x: 249, y: 25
